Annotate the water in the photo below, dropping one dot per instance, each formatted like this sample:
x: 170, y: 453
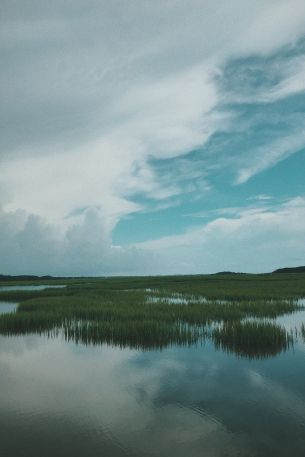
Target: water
x: 7, y: 307
x: 176, y: 299
x: 182, y: 299
x: 30, y: 288
x: 58, y: 398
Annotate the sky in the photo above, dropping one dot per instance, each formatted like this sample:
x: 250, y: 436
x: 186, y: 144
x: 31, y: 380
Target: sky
x: 151, y: 137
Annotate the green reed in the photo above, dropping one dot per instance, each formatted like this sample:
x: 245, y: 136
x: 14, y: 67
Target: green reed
x: 252, y: 339
x: 141, y: 312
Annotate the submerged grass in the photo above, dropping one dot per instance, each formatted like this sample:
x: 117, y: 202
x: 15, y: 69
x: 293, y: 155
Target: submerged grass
x: 119, y: 310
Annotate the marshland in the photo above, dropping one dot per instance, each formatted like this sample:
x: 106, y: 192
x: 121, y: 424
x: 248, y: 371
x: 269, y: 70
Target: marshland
x: 187, y: 357
x: 155, y: 312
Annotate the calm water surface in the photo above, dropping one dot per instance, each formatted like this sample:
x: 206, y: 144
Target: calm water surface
x: 7, y: 307
x: 33, y: 288
x: 62, y: 399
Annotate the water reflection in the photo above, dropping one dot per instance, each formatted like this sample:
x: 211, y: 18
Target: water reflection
x: 68, y: 399
x: 250, y: 338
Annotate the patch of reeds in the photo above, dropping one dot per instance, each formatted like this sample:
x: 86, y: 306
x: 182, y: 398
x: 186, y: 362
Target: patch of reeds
x: 252, y: 339
x: 136, y: 335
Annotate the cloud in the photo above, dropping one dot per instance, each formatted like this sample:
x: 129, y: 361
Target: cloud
x: 292, y: 83
x: 261, y: 197
x: 31, y: 245
x: 94, y: 96
x: 269, y: 155
x: 261, y: 81
x: 254, y: 240
x: 274, y: 24
x: 141, y: 396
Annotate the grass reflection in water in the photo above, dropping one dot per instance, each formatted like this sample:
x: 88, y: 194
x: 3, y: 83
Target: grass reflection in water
x: 252, y: 339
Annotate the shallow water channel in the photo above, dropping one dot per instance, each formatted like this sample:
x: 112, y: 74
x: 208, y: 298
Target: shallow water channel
x: 59, y: 398
x: 9, y: 307
x: 30, y: 287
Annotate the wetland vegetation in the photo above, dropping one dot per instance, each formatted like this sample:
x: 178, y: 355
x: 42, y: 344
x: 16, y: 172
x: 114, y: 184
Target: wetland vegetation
x: 156, y: 312
x: 252, y: 339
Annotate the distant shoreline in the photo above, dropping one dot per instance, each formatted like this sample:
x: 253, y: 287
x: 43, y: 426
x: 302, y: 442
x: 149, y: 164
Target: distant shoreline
x: 300, y: 269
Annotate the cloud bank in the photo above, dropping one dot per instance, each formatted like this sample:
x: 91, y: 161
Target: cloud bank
x: 253, y: 239
x: 94, y: 94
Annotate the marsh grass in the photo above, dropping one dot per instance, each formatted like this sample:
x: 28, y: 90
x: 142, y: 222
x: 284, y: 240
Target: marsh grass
x: 145, y: 335
x: 252, y: 339
x: 233, y: 287
x: 118, y: 311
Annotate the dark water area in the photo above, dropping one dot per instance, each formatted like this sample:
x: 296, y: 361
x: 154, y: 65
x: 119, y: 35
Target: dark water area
x: 59, y: 398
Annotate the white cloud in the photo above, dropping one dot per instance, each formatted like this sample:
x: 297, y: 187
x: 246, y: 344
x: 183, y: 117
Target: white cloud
x: 254, y: 240
x: 292, y: 83
x: 260, y: 197
x: 90, y: 96
x: 31, y: 245
x: 282, y: 77
x: 274, y: 24
x: 269, y: 155
x: 251, y: 239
